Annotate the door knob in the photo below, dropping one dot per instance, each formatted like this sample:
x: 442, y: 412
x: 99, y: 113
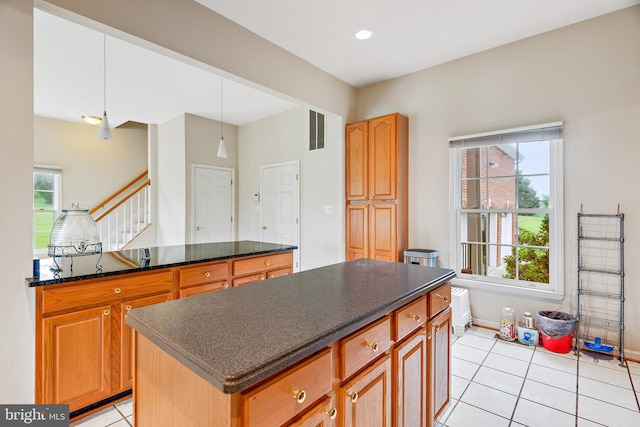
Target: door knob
x: 197, y: 228
x: 264, y: 227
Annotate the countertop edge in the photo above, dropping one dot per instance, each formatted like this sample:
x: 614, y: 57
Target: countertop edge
x: 239, y: 383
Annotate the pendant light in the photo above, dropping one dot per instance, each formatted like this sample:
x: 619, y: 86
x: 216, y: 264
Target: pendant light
x: 104, y: 131
x: 222, y: 148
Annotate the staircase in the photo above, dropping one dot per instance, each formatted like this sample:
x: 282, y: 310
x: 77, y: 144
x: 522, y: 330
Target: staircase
x: 125, y: 214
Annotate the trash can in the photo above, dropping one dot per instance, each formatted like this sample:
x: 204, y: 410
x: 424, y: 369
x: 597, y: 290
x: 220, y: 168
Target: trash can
x: 427, y: 257
x: 556, y: 330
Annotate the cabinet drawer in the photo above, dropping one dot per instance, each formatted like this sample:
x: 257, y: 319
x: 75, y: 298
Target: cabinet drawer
x: 105, y: 291
x: 248, y: 279
x: 360, y: 348
x: 201, y: 289
x: 289, y: 393
x: 261, y: 263
x: 203, y: 274
x: 439, y: 299
x: 280, y: 272
x: 410, y: 317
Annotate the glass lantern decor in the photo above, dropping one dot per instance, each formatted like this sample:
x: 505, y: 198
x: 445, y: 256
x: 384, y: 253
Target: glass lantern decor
x: 74, y: 233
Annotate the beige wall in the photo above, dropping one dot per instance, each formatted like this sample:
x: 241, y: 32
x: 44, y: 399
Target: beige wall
x: 587, y: 75
x: 283, y: 138
x: 92, y: 168
x: 17, y: 351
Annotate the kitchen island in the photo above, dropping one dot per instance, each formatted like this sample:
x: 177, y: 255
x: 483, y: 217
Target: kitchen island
x: 363, y: 336
x: 83, y: 346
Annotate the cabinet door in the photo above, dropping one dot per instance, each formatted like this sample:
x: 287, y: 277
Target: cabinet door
x: 383, y: 158
x: 410, y: 361
x: 383, y: 243
x: 357, y: 231
x: 366, y: 400
x: 439, y: 337
x: 126, y: 337
x: 77, y: 357
x: 323, y: 414
x: 356, y: 159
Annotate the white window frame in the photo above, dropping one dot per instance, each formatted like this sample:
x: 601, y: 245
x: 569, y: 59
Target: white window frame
x: 555, y: 289
x: 56, y: 171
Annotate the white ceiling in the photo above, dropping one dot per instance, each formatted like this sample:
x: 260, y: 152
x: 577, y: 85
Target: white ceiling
x: 408, y: 35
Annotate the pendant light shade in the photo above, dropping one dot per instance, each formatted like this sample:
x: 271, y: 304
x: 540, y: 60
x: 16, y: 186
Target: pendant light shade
x: 104, y: 131
x: 222, y: 148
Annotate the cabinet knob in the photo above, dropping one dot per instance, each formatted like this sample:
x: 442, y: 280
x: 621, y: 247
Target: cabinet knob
x: 437, y: 328
x: 207, y: 274
x: 107, y: 312
x: 429, y: 336
x: 415, y: 317
x: 226, y: 285
x: 117, y: 290
x: 333, y: 413
x: 372, y: 345
x: 262, y: 276
x: 266, y: 263
x: 128, y: 307
x: 300, y: 395
x: 444, y: 298
x: 353, y: 396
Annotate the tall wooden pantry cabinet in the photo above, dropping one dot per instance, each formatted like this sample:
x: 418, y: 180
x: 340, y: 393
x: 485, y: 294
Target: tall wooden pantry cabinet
x: 377, y: 188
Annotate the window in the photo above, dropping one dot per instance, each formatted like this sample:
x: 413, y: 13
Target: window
x: 46, y: 205
x: 507, y: 195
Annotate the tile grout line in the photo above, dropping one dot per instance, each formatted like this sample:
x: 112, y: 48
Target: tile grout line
x: 633, y: 386
x: 513, y: 413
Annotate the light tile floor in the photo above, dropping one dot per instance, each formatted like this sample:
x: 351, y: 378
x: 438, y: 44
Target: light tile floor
x: 496, y: 383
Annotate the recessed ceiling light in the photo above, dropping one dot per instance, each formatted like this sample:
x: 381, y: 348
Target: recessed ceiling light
x: 363, y: 34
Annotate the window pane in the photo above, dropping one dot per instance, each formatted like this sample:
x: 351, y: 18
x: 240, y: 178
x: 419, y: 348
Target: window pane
x: 471, y: 164
x: 43, y: 181
x: 502, y: 193
x: 533, y: 191
x: 473, y: 227
x: 43, y: 223
x: 473, y: 256
x: 533, y: 265
x: 533, y: 157
x: 502, y: 160
x: 533, y: 229
x: 43, y: 200
x: 473, y: 193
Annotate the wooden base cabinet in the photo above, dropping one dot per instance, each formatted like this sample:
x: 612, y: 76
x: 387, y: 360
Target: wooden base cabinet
x: 411, y: 403
x: 439, y: 363
x: 366, y: 400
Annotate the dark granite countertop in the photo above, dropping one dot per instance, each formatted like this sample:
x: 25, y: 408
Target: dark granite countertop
x: 238, y: 337
x: 129, y: 260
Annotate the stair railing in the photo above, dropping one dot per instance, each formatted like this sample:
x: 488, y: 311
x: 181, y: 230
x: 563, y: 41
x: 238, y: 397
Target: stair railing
x: 126, y: 214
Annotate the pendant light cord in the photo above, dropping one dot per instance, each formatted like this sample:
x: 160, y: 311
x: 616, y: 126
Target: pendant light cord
x: 104, y: 72
x: 221, y: 112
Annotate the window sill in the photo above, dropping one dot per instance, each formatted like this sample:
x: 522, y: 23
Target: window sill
x: 498, y: 288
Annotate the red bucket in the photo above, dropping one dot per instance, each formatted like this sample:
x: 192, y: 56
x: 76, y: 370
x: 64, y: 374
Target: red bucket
x: 557, y: 344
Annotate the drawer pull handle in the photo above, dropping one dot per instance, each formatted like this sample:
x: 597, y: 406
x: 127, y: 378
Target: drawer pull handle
x: 333, y: 413
x: 415, y: 317
x: 107, y: 312
x: 353, y: 396
x: 372, y: 345
x: 300, y: 395
x: 117, y: 290
x: 207, y: 274
x: 444, y: 298
x: 127, y: 307
x: 266, y: 263
x: 226, y: 285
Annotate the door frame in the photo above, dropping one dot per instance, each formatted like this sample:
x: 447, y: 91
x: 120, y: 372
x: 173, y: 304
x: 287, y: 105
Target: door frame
x: 296, y: 163
x: 193, y: 197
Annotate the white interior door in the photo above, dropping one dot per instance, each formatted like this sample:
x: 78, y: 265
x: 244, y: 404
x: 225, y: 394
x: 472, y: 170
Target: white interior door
x: 213, y: 204
x: 279, y: 221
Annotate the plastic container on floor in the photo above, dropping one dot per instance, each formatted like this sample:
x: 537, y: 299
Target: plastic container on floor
x: 528, y: 336
x: 557, y: 344
x: 508, y: 324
